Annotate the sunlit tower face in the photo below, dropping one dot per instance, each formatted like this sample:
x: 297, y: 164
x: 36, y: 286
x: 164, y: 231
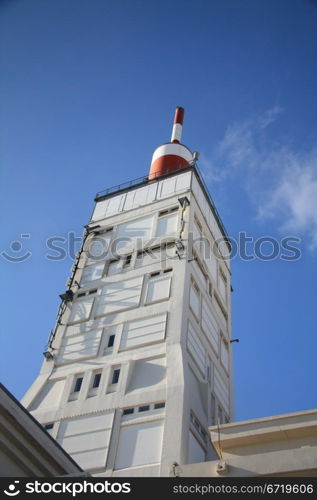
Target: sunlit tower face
x: 139, y: 362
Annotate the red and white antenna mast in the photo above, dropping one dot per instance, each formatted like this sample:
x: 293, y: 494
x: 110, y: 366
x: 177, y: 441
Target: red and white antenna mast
x: 178, y: 125
x: 173, y: 155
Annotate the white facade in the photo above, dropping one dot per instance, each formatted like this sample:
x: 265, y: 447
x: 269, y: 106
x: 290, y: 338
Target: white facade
x: 141, y: 358
x: 279, y: 445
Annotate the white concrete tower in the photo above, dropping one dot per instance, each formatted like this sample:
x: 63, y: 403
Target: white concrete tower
x: 139, y: 362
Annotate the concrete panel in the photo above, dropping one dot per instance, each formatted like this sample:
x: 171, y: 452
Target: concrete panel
x: 81, y: 309
x: 194, y: 301
x: 119, y: 295
x: 143, y: 331
x: 221, y: 390
x: 92, y: 273
x: 196, y: 348
x: 209, y: 326
x: 50, y: 396
x: 139, y: 444
x: 87, y: 439
x: 79, y: 346
x: 158, y: 289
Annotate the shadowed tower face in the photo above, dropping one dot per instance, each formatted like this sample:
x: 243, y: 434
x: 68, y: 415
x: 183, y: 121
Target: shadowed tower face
x: 139, y: 363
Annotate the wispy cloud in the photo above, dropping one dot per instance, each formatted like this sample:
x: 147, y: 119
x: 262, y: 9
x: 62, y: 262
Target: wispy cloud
x: 281, y: 182
x: 269, y: 117
x: 294, y: 198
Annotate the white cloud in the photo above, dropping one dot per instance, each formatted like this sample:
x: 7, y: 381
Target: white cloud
x: 269, y: 117
x: 294, y: 198
x: 281, y: 183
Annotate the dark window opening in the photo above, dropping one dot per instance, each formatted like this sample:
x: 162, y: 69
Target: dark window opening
x: 128, y: 411
x: 96, y: 381
x: 111, y: 340
x: 48, y: 426
x: 127, y: 261
x: 144, y: 408
x: 78, y: 383
x: 115, y: 376
x: 159, y: 405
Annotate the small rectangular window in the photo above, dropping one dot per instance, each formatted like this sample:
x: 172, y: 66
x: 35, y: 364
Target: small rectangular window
x: 96, y: 381
x: 128, y: 411
x: 163, y: 212
x: 127, y: 261
x: 159, y: 405
x: 91, y: 292
x: 81, y: 294
x: 78, y: 383
x: 111, y: 340
x: 144, y: 408
x: 115, y: 376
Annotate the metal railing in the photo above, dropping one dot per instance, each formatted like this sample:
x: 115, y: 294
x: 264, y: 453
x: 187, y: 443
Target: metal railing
x: 136, y: 182
x: 121, y: 187
x: 144, y: 179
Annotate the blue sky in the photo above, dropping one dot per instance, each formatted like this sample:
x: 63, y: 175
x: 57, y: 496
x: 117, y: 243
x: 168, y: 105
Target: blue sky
x: 88, y: 90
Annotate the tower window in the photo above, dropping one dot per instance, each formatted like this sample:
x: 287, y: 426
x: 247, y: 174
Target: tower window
x: 144, y: 408
x: 168, y: 211
x: 127, y: 261
x: 198, y: 427
x: 96, y: 381
x: 111, y: 340
x: 128, y: 411
x: 115, y: 376
x: 159, y: 405
x: 78, y: 383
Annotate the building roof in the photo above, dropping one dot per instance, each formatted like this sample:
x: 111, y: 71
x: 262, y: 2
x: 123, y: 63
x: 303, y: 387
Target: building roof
x: 27, y: 449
